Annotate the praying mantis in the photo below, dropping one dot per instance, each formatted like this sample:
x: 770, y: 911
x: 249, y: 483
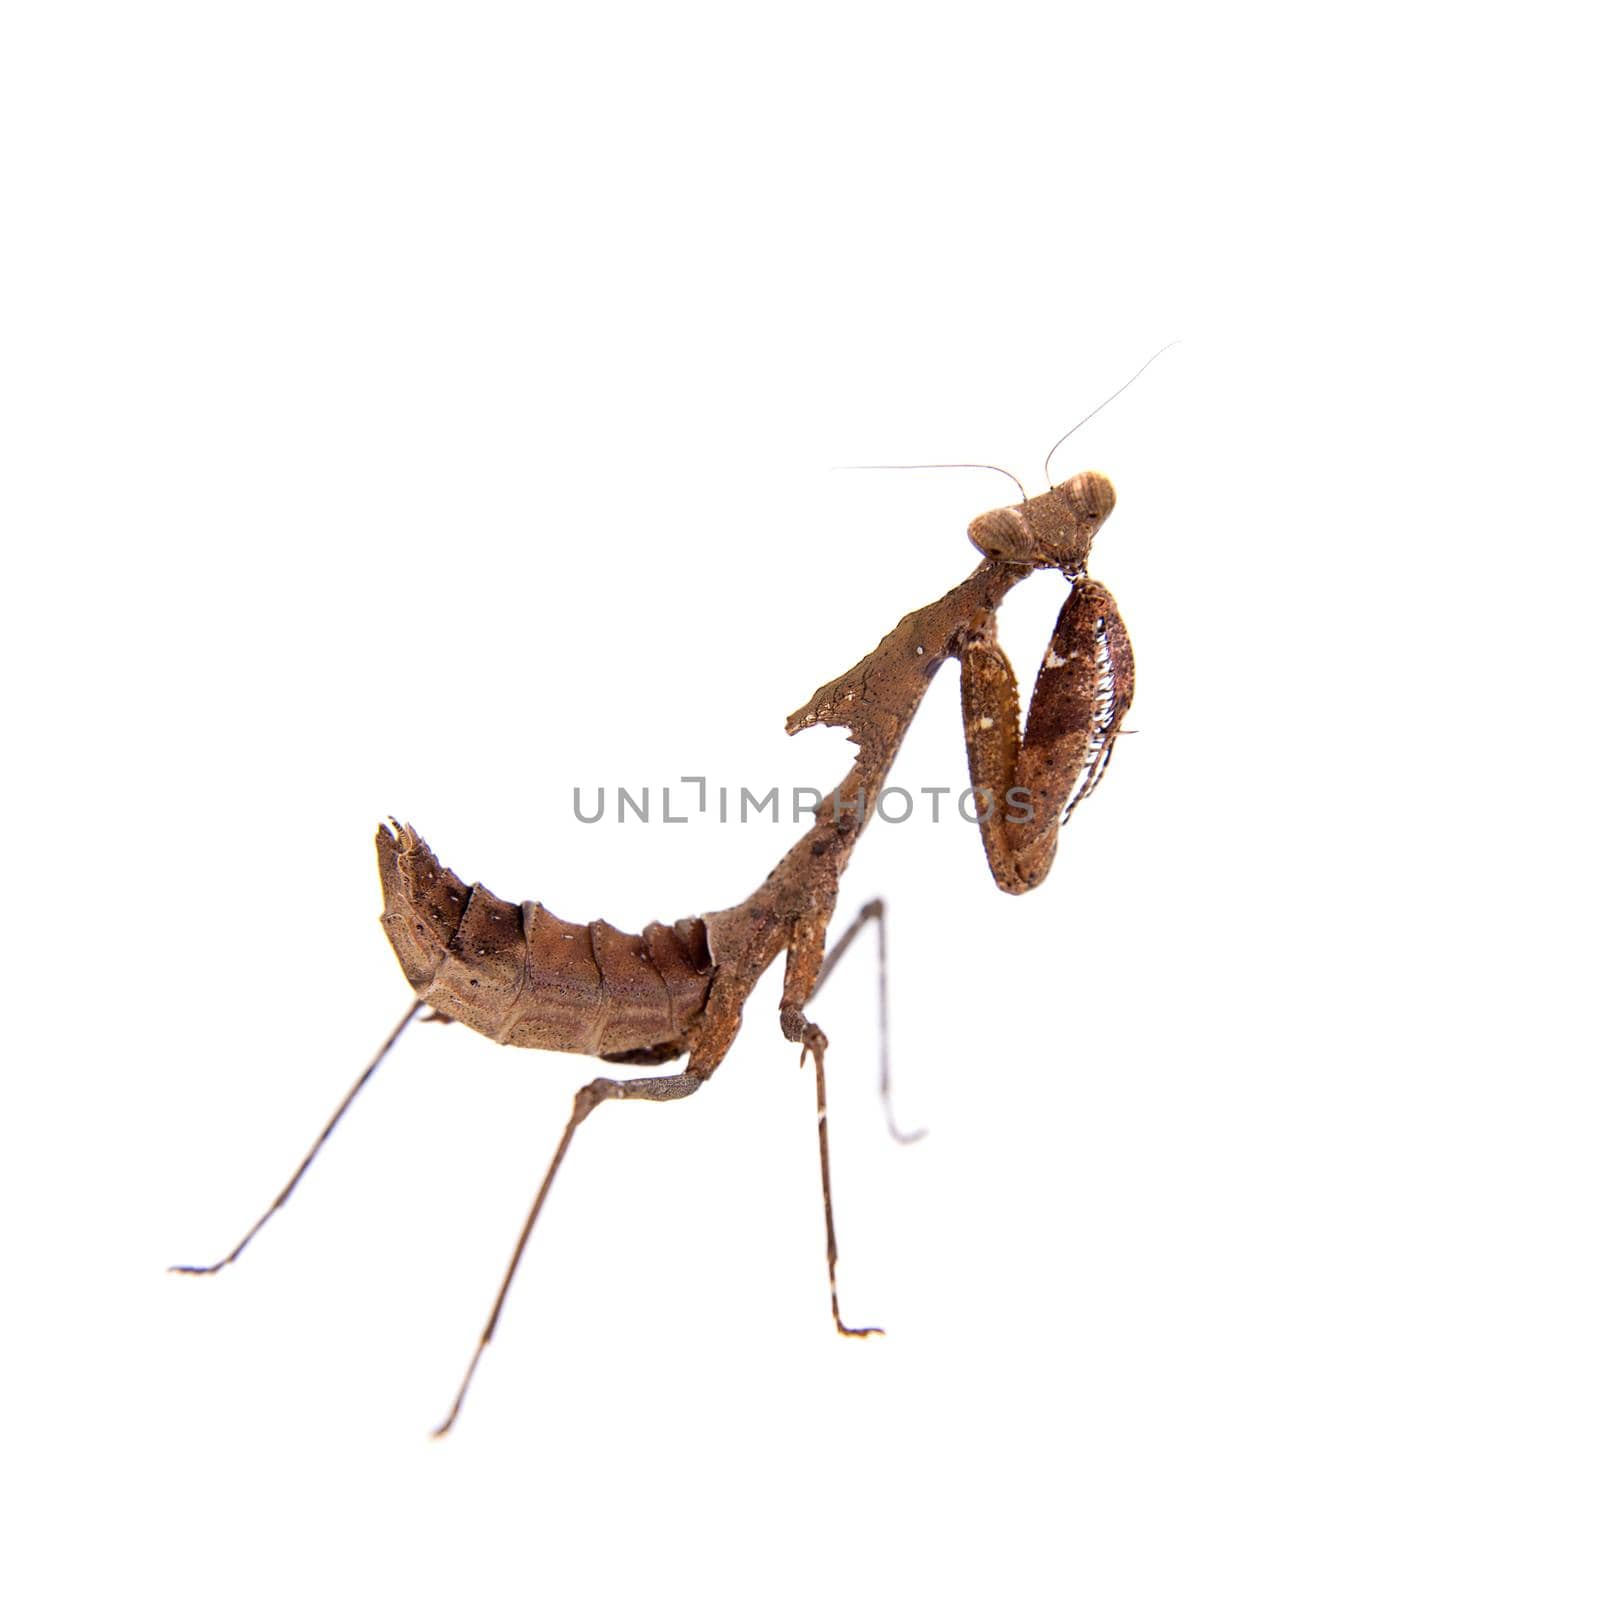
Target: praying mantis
x: 524, y: 977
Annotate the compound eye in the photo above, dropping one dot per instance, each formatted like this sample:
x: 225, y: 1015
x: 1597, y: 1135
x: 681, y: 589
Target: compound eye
x: 1090, y: 496
x: 1002, y: 535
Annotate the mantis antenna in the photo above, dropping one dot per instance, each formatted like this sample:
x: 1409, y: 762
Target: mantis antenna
x: 1098, y: 409
x: 933, y: 466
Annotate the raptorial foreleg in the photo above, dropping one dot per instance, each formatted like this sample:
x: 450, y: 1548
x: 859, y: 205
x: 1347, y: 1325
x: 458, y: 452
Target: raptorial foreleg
x: 1027, y: 787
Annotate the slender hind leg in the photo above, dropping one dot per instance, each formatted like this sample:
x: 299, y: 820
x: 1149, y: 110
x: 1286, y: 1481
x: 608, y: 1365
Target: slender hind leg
x: 586, y: 1099
x: 873, y: 911
x: 311, y: 1154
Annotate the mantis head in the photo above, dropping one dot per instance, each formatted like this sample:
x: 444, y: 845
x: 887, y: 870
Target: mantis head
x: 1054, y: 529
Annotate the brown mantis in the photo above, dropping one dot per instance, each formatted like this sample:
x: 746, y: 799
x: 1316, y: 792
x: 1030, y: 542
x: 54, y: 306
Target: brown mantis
x: 524, y: 977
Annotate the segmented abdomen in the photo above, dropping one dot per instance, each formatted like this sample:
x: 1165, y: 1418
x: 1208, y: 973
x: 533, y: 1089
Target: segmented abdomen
x: 523, y: 976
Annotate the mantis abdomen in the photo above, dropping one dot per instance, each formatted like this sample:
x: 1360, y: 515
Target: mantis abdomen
x: 521, y: 975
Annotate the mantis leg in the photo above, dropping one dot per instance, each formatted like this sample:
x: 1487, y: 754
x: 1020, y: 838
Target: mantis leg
x: 311, y: 1155
x: 1027, y: 787
x: 675, y: 1087
x: 873, y: 911
x: 814, y: 1043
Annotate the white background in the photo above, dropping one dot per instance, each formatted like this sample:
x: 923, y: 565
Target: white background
x: 423, y: 409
